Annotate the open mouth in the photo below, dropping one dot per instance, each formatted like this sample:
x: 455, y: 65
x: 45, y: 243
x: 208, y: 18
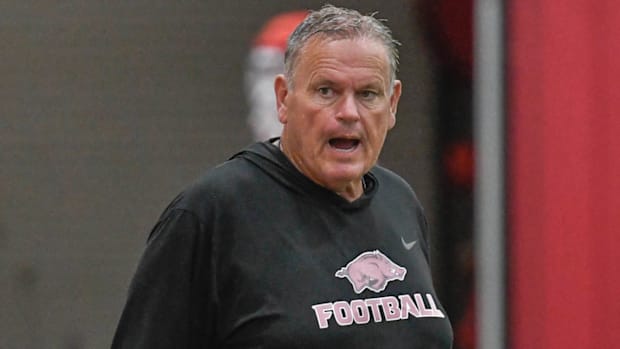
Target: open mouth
x: 344, y: 144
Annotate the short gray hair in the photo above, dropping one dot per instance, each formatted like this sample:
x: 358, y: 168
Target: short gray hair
x: 339, y: 23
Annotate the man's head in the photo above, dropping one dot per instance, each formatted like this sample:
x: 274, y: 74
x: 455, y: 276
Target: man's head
x: 334, y: 23
x: 338, y: 97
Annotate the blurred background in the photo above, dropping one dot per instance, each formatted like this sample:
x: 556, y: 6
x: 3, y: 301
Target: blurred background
x: 108, y: 109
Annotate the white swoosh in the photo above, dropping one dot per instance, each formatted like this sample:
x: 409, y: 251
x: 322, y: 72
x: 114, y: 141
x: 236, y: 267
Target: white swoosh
x: 408, y: 245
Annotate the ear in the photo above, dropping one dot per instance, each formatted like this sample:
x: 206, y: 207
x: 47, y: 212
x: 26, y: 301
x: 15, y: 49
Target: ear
x: 281, y: 91
x: 394, y: 98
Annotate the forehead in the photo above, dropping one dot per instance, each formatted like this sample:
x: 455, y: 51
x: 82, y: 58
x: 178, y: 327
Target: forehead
x: 359, y: 56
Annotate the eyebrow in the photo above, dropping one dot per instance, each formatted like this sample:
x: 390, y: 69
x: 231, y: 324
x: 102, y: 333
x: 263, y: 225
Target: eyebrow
x: 372, y: 83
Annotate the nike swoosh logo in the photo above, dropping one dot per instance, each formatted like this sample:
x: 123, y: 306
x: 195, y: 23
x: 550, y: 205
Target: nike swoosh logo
x: 408, y: 245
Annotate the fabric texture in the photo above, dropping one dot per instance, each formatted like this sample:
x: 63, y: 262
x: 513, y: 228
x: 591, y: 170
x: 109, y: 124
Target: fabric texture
x: 255, y: 255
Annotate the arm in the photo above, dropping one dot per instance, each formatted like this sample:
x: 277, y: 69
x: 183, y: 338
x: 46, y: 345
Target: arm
x: 168, y: 303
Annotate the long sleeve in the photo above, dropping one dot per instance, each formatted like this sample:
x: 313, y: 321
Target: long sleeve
x: 169, y: 297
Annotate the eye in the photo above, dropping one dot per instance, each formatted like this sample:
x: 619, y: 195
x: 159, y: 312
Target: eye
x: 325, y: 91
x: 368, y: 94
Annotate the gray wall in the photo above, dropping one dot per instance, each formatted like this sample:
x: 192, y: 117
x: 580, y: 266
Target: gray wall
x: 107, y: 109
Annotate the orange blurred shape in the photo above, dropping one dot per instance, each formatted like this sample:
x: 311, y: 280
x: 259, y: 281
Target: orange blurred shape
x: 278, y: 28
x: 459, y: 163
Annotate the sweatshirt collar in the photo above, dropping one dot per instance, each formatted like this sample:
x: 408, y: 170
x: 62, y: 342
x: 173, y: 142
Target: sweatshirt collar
x: 268, y: 156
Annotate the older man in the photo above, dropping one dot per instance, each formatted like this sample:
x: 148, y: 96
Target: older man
x: 300, y: 241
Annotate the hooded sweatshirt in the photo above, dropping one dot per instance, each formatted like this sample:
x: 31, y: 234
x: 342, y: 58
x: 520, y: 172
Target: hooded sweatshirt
x: 256, y: 255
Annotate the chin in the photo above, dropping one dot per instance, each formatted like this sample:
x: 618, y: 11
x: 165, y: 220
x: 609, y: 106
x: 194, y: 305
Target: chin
x: 345, y: 175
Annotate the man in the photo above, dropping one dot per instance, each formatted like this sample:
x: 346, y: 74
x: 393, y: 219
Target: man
x: 302, y: 241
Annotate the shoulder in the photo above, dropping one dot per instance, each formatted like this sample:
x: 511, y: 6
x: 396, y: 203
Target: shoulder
x: 217, y: 187
x: 226, y: 176
x: 403, y: 201
x: 394, y: 186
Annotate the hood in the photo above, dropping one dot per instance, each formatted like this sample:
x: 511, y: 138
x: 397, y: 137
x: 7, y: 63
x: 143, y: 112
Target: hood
x: 270, y: 159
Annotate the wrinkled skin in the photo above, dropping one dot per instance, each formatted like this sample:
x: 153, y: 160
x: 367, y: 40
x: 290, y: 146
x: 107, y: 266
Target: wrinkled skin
x: 337, y: 111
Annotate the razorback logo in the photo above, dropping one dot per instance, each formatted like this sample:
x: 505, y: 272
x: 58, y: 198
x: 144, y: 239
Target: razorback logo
x: 371, y: 270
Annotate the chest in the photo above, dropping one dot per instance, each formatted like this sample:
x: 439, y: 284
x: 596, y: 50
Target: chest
x: 310, y: 278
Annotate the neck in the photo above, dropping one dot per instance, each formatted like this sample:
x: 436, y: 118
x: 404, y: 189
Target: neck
x: 350, y: 191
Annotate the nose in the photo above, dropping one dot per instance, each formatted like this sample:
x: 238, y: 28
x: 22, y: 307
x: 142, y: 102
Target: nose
x: 347, y: 109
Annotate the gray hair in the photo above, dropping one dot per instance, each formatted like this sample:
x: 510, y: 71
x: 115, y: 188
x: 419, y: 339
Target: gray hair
x: 339, y: 23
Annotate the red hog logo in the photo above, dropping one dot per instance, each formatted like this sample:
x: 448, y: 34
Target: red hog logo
x: 371, y: 270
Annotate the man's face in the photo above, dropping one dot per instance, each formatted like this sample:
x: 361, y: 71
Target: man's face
x: 337, y: 114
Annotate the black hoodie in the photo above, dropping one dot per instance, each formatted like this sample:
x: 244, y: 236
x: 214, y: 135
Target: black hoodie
x: 256, y: 255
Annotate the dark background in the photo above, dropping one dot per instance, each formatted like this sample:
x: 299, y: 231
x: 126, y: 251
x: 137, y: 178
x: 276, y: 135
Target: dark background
x: 108, y: 109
